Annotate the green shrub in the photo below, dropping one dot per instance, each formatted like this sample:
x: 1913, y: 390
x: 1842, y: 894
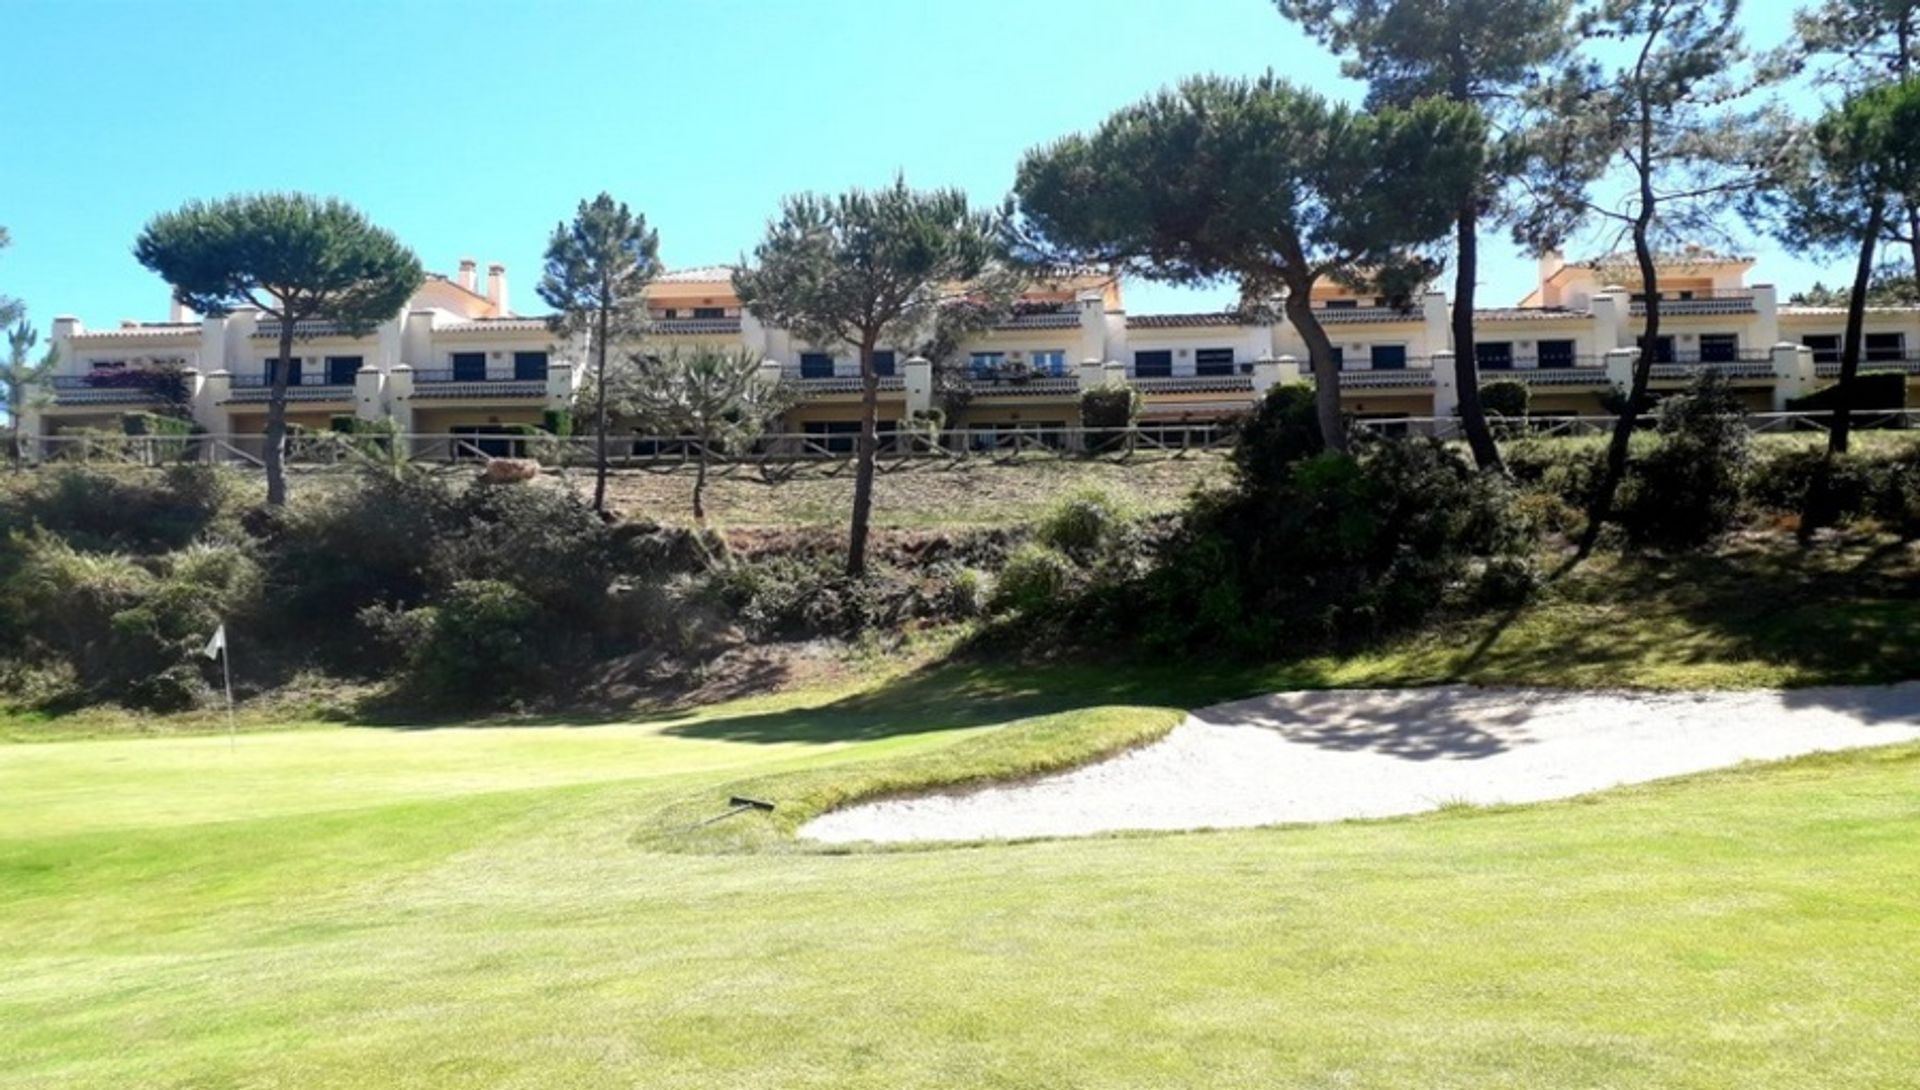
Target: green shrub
x: 1282, y: 429
x: 1506, y: 397
x: 1687, y: 490
x: 134, y: 510
x: 482, y: 640
x: 1340, y: 548
x: 1035, y: 578
x: 967, y: 593
x: 1084, y: 523
x: 1109, y: 406
x: 1871, y: 391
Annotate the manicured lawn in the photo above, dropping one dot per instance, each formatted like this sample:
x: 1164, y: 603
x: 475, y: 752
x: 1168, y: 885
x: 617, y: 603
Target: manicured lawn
x: 525, y: 906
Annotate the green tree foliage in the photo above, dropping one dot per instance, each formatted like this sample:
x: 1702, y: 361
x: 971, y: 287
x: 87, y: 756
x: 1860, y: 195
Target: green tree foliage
x: 715, y: 397
x: 11, y: 309
x: 598, y: 267
x: 1654, y: 103
x: 297, y: 259
x: 1846, y: 190
x: 1478, y: 52
x: 862, y: 269
x: 22, y: 374
x: 1887, y: 288
x: 1259, y: 182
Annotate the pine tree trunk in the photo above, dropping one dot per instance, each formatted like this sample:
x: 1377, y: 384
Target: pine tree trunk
x: 1466, y: 365
x: 1617, y: 448
x: 1850, y: 345
x: 700, y: 484
x: 867, y: 449
x: 276, y: 455
x: 600, y: 415
x: 1326, y: 373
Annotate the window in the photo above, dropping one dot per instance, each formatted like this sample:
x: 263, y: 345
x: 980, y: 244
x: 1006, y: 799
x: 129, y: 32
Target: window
x: 987, y: 364
x: 1662, y: 349
x: 835, y: 436
x: 816, y: 365
x: 1719, y: 347
x: 1213, y: 361
x: 1389, y: 357
x: 1826, y: 347
x: 469, y: 367
x: 1556, y: 354
x: 1493, y: 355
x: 341, y: 370
x: 1885, y: 347
x: 1049, y: 361
x: 1340, y: 304
x: 670, y: 312
x: 883, y: 362
x: 530, y: 366
x: 709, y: 312
x: 1339, y: 359
x: 293, y: 371
x: 1155, y: 364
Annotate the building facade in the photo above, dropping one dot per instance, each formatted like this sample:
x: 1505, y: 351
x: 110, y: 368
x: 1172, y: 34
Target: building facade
x: 458, y: 361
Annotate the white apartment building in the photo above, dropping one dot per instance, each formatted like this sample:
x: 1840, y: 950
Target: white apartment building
x: 459, y: 361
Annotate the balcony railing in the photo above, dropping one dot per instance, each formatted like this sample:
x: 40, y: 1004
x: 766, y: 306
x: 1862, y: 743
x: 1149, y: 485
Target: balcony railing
x: 1715, y: 301
x: 1337, y: 315
x: 671, y: 327
x: 253, y: 382
x: 443, y: 384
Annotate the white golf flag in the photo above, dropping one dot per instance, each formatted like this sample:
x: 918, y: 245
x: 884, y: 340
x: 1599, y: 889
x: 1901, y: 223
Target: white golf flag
x: 217, y: 644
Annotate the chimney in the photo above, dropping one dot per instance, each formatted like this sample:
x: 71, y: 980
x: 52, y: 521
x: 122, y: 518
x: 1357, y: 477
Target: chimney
x: 497, y: 289
x: 177, y: 312
x: 465, y: 279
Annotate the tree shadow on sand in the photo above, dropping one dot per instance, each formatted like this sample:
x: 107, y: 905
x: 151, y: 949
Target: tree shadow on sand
x: 1413, y: 724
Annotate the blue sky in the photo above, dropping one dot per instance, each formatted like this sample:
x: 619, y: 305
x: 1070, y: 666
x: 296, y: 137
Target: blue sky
x: 471, y: 128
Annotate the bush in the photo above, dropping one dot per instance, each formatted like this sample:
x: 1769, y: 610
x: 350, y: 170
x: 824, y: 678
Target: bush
x: 1084, y: 524
x: 136, y: 511
x: 1687, y: 490
x: 1110, y: 405
x: 1035, y: 579
x: 1506, y: 397
x: 484, y: 639
x: 1338, y: 548
x: 1282, y: 430
x: 1871, y: 391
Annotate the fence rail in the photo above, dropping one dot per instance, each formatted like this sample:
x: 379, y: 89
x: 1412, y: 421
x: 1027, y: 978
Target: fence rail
x: 896, y: 449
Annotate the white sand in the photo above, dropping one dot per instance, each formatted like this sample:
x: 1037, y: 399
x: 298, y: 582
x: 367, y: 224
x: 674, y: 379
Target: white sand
x: 1327, y: 756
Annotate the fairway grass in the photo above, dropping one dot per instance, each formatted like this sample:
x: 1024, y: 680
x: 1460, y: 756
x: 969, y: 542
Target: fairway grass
x: 522, y: 906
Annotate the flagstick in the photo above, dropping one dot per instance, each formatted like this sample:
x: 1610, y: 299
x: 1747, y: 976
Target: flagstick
x: 226, y: 673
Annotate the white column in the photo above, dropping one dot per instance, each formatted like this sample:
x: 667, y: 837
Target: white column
x: 1620, y: 366
x: 210, y: 394
x: 400, y: 398
x: 1793, y: 373
x: 1093, y: 326
x: 1765, y: 330
x: 1287, y: 370
x: 1266, y: 375
x: 1610, y: 310
x: 917, y: 374
x: 1113, y: 371
x: 559, y: 385
x: 1436, y: 323
x: 369, y: 394
x: 1091, y: 373
x: 1446, y: 384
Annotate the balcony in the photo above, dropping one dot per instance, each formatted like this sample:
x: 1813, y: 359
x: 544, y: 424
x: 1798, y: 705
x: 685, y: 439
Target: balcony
x: 442, y: 385
x: 1047, y: 319
x: 1908, y: 362
x: 690, y: 327
x: 302, y: 387
x: 1387, y: 378
x: 1716, y: 301
x: 1355, y: 315
x: 120, y: 387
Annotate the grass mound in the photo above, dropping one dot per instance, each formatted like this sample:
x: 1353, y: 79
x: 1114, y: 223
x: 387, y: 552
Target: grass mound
x: 1020, y: 750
